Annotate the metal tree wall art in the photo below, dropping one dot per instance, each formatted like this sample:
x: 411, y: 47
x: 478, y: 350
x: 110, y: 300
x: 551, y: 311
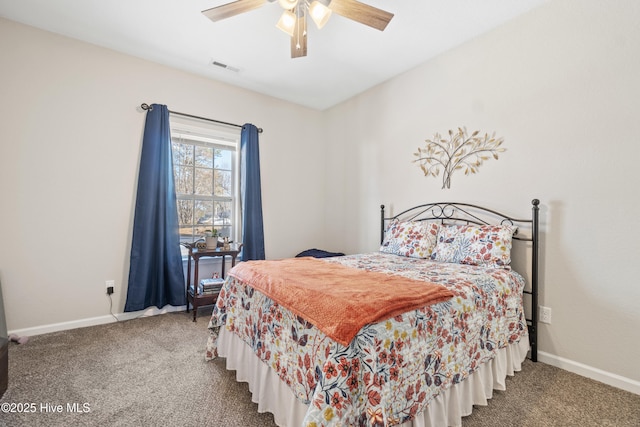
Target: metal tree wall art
x: 460, y: 152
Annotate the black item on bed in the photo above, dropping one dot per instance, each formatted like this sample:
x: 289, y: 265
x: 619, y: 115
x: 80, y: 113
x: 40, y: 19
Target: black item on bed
x: 318, y: 253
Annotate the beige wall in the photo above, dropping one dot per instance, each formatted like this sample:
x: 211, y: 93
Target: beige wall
x: 69, y: 150
x: 560, y: 84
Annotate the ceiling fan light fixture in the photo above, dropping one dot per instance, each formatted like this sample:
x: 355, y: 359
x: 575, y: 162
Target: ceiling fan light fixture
x: 287, y: 22
x: 288, y: 4
x: 295, y: 13
x: 320, y: 13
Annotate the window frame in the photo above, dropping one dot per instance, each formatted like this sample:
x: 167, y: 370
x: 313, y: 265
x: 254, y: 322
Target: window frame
x: 199, y: 132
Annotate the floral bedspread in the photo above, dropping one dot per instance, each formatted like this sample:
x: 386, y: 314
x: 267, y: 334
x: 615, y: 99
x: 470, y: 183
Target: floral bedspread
x: 394, y: 368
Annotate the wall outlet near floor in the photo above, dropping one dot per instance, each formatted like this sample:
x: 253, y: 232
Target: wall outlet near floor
x: 111, y: 286
x: 545, y: 315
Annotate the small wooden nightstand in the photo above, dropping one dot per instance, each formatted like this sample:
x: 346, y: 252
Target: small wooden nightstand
x: 193, y: 295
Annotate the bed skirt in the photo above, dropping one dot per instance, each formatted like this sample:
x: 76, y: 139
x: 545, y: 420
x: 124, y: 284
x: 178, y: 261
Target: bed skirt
x: 447, y: 409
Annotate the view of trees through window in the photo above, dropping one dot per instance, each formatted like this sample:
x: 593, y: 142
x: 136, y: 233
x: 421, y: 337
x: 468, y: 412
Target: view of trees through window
x: 204, y: 178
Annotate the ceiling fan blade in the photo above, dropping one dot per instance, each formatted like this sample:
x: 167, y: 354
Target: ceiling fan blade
x: 362, y: 13
x: 299, y: 39
x: 231, y: 9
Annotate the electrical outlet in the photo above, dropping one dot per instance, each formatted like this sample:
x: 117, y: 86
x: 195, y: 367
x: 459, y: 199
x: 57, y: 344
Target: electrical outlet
x: 545, y: 315
x: 111, y: 286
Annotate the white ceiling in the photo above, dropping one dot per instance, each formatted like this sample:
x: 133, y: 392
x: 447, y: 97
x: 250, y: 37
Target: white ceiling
x: 344, y: 58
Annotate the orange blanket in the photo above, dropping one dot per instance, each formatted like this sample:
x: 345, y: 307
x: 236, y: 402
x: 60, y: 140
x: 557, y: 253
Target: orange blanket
x: 338, y: 300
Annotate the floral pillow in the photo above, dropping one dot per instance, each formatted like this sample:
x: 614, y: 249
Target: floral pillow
x: 414, y: 239
x: 485, y: 245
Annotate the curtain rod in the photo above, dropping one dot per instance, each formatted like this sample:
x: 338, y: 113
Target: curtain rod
x: 145, y: 106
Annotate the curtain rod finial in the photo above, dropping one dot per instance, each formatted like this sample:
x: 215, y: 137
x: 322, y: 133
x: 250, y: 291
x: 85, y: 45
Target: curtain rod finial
x: 146, y: 106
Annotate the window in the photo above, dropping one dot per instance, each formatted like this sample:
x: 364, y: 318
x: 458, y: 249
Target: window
x: 205, y: 168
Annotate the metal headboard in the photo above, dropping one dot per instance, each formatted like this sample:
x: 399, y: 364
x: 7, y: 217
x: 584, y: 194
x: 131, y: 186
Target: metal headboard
x: 465, y: 213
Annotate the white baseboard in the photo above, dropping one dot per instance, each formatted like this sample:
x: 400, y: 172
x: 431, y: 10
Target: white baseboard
x: 206, y: 265
x: 605, y: 377
x: 93, y: 321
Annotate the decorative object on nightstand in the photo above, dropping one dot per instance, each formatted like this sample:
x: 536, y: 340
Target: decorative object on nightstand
x: 461, y: 151
x: 211, y: 237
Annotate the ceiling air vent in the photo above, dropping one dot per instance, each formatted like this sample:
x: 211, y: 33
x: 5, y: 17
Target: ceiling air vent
x: 225, y: 66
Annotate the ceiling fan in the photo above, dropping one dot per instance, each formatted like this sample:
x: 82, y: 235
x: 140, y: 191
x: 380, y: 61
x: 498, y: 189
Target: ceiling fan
x: 294, y: 17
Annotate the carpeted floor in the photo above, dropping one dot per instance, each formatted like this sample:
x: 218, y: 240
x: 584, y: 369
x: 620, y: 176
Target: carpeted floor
x: 151, y: 372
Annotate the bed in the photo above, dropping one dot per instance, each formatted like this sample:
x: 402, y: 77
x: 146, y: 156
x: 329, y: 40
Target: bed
x: 412, y: 365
